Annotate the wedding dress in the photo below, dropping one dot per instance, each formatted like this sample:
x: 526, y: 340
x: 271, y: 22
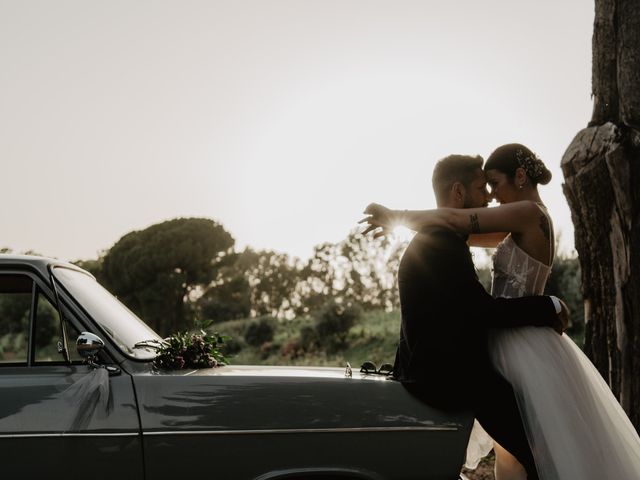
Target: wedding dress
x: 575, y: 426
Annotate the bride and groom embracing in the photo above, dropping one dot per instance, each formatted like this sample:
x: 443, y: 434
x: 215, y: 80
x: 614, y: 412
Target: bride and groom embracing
x: 538, y: 401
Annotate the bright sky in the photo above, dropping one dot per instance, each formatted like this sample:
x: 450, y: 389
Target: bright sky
x: 281, y: 119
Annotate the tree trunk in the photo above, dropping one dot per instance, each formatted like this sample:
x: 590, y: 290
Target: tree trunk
x: 601, y: 168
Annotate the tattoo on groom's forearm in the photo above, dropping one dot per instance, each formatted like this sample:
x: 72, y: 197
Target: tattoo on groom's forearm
x: 475, y: 225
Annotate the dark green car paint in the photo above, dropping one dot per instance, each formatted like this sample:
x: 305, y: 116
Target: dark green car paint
x: 234, y: 422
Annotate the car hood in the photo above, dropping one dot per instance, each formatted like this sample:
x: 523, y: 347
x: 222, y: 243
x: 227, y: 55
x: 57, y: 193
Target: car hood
x: 251, y: 412
x: 274, y: 371
x: 230, y: 397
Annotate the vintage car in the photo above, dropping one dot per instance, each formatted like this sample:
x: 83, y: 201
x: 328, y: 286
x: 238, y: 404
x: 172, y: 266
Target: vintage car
x: 230, y: 422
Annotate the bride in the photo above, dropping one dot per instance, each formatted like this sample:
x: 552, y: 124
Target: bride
x: 574, y: 424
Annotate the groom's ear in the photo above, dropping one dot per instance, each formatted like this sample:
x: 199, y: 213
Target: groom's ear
x: 458, y: 193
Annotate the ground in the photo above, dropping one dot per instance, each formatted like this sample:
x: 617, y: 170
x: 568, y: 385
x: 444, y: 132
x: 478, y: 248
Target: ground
x: 484, y: 470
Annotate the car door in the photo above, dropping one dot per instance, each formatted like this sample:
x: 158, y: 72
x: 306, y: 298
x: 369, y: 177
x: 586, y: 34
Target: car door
x: 54, y: 421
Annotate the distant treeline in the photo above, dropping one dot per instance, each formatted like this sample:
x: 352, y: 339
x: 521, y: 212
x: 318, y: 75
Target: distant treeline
x: 186, y: 269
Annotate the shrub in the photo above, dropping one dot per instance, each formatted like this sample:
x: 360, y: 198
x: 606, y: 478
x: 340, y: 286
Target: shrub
x: 260, y: 331
x: 268, y: 348
x: 333, y: 322
x: 292, y: 349
x: 308, y: 338
x: 232, y: 347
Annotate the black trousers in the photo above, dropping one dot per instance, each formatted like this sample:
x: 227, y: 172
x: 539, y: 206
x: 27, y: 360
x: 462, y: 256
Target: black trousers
x: 494, y: 405
x: 498, y: 413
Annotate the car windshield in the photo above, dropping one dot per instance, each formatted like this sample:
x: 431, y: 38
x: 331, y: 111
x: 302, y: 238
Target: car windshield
x: 131, y: 334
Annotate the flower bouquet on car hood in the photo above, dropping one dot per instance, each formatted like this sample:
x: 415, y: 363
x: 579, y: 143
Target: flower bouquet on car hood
x: 191, y: 350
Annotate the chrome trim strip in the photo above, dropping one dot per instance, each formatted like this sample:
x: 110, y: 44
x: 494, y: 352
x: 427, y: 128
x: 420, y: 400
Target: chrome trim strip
x: 304, y: 430
x: 64, y: 434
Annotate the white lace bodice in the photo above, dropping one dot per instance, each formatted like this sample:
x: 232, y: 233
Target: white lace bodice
x: 515, y: 273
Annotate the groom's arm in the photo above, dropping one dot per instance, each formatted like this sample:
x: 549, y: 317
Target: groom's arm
x: 438, y: 274
x: 538, y: 311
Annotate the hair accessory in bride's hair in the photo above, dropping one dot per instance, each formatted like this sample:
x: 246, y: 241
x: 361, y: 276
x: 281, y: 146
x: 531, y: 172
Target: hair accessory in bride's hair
x: 531, y: 164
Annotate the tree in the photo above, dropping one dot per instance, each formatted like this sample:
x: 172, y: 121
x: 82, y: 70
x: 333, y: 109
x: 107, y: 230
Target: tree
x: 94, y: 267
x: 366, y: 274
x: 601, y: 168
x: 357, y: 269
x: 154, y: 271
x: 228, y: 299
x: 252, y: 282
x: 317, y: 278
x: 272, y: 277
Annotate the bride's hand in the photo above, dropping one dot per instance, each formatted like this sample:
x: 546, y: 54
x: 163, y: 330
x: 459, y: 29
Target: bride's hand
x: 378, y: 217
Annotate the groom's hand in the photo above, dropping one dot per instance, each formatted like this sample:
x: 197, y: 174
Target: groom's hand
x: 378, y: 217
x: 563, y: 318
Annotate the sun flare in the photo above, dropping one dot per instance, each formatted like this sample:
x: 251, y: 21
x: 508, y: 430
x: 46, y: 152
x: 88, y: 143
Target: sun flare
x: 402, y: 234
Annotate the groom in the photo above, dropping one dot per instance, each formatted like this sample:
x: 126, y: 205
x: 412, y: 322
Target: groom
x: 442, y: 357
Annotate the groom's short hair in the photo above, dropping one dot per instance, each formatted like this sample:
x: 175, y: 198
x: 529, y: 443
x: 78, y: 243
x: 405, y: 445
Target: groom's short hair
x: 452, y: 169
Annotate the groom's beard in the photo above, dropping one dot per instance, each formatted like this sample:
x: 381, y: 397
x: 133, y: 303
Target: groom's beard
x: 467, y: 203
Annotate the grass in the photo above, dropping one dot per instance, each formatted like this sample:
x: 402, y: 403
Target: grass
x: 374, y: 337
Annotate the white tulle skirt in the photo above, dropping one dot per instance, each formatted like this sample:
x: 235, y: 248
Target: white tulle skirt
x: 575, y: 426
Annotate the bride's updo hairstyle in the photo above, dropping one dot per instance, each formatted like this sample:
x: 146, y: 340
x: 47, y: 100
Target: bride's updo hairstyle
x: 508, y: 158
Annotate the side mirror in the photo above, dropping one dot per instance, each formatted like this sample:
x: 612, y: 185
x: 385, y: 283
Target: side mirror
x: 89, y: 345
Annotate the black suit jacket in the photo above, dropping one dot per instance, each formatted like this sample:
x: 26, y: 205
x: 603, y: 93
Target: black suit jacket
x: 446, y: 315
